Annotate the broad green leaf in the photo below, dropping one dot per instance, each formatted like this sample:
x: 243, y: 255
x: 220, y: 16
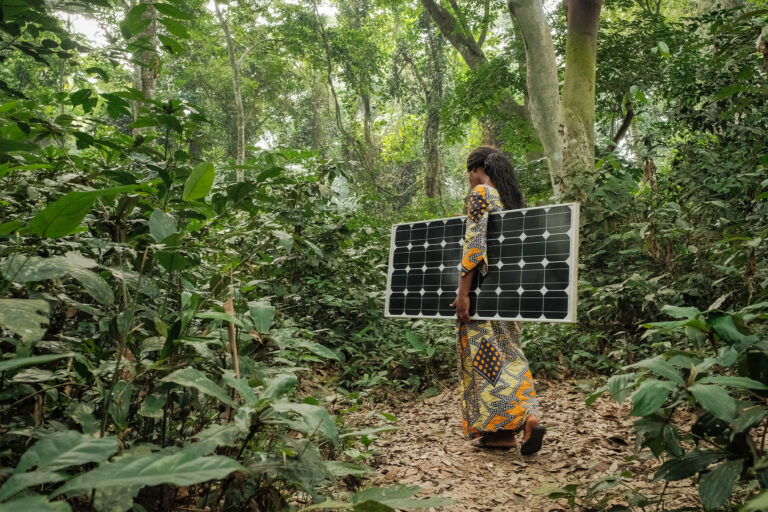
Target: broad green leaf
x: 305, y: 418
x: 98, y: 71
x: 35, y: 503
x: 241, y: 386
x: 681, y: 312
x: 726, y: 328
x: 750, y: 418
x: 64, y: 215
x: 759, y: 504
x: 10, y: 364
x: 66, y: 448
x: 181, y: 468
x: 214, y: 436
x: 650, y: 396
x: 660, y: 367
x: 134, y: 17
x: 620, y: 385
x: 162, y: 225
x: 173, y: 260
x: 6, y: 228
x: 339, y: 469
x: 96, y: 286
x: 285, y: 239
x: 25, y: 318
x: 24, y: 269
x: 7, y: 146
x: 142, y: 283
x: 281, y: 384
x: 115, y: 499
x: 315, y: 248
x: 328, y: 504
x: 199, y: 182
x: 174, y: 27
x: 175, y: 48
x: 716, y: 486
x: 220, y: 315
x: 733, y: 382
x: 664, y: 49
x: 680, y: 468
x: 315, y: 348
x: 716, y: 400
x: 152, y: 406
x: 398, y: 496
x: 262, y: 314
x: 194, y: 378
x: 20, y: 481
x: 173, y: 12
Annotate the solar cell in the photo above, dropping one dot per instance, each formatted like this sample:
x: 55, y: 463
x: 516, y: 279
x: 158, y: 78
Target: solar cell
x: 532, y: 262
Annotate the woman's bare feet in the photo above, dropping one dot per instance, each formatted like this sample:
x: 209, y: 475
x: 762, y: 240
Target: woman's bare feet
x: 504, y: 439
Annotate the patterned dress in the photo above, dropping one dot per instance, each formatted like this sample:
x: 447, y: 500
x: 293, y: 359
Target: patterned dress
x: 497, y: 391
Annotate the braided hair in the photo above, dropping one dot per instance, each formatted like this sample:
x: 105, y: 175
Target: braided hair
x: 501, y: 172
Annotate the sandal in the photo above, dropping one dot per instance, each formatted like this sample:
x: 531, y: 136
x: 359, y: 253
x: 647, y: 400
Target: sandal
x: 534, y: 442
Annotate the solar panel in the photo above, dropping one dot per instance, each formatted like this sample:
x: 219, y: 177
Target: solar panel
x: 532, y: 264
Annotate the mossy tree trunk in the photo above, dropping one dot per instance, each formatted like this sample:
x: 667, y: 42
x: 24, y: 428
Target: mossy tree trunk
x: 565, y: 125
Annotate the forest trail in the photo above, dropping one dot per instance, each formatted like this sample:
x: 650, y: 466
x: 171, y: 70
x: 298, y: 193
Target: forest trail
x: 583, y: 444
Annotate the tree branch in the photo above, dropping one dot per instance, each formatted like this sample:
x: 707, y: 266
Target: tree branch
x: 464, y: 43
x: 625, y: 124
x: 486, y: 21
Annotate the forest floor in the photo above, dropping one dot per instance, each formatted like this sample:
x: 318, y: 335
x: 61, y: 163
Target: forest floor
x: 583, y: 445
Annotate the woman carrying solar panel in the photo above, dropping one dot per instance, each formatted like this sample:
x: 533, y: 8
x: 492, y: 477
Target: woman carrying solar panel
x: 498, y: 396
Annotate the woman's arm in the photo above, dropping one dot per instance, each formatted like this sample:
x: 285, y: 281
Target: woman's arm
x: 462, y: 299
x: 474, y: 257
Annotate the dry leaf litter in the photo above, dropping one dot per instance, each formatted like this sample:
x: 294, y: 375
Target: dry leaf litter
x: 583, y: 444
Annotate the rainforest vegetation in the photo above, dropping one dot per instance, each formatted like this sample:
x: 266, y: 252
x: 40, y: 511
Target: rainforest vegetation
x: 196, y: 200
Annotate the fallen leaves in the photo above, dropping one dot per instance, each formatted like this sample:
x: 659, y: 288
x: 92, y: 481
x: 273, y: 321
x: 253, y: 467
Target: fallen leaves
x: 583, y: 444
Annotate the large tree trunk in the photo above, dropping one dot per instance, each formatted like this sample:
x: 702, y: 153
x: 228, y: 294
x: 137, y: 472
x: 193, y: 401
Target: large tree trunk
x: 579, y: 96
x: 565, y: 128
x: 239, y: 112
x: 147, y: 61
x: 542, y: 84
x: 433, y: 158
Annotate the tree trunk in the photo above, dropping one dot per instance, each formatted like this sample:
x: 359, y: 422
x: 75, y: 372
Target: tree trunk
x: 458, y: 34
x: 433, y: 158
x: 583, y: 18
x: 542, y: 83
x: 239, y: 112
x: 565, y: 127
x: 145, y: 72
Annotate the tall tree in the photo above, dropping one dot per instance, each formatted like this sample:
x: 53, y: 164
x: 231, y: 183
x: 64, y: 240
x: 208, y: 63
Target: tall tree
x: 239, y: 111
x: 455, y: 27
x: 566, y: 126
x: 430, y: 80
x: 146, y: 61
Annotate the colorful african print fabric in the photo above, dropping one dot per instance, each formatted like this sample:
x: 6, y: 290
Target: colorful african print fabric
x: 496, y: 383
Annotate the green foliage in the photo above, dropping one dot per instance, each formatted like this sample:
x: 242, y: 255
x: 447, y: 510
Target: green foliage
x: 118, y: 250
x: 723, y: 380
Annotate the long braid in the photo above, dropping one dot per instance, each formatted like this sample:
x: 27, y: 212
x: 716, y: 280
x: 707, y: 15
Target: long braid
x: 501, y: 172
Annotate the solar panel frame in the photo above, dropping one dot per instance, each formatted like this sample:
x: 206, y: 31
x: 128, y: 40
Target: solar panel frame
x: 572, y: 262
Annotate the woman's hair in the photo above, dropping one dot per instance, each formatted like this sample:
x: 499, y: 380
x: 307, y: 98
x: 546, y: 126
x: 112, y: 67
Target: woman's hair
x: 501, y: 172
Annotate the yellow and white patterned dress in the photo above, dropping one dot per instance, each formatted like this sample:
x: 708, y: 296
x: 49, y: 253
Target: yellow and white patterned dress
x: 497, y: 391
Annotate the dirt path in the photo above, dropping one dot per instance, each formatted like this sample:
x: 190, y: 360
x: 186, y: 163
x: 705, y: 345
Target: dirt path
x: 582, y: 444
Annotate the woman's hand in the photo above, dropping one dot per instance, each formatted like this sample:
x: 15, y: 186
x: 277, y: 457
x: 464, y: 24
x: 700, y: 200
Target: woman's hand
x: 461, y: 304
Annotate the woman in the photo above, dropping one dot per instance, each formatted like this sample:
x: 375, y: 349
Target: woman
x: 498, y: 397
